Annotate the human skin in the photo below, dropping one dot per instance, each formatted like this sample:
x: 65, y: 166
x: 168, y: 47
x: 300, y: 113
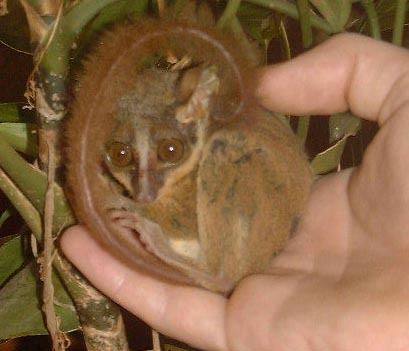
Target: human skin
x: 342, y: 282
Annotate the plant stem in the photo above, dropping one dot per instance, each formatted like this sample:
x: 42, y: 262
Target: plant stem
x: 372, y: 16
x: 229, y: 13
x: 290, y: 10
x: 242, y: 38
x: 155, y: 341
x: 302, y: 129
x: 285, y: 43
x: 27, y: 211
x: 305, y: 22
x: 400, y: 14
x: 25, y: 187
x: 59, y: 339
x: 100, y: 318
x: 33, y: 184
x: 304, y: 122
x: 55, y: 59
x: 5, y: 216
x: 54, y: 65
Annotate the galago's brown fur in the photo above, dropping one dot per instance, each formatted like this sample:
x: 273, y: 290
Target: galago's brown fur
x: 233, y: 204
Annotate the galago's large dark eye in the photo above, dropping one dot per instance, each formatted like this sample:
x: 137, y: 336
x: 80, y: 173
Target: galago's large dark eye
x: 119, y: 154
x: 170, y: 150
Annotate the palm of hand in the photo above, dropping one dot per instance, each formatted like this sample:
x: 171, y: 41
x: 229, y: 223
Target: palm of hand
x: 334, y: 283
x: 343, y: 280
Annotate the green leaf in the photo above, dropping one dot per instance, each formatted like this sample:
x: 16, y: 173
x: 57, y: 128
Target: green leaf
x: 20, y: 311
x: 13, y: 112
x: 329, y: 159
x: 336, y: 12
x: 11, y: 256
x: 111, y: 13
x: 258, y: 22
x: 117, y: 11
x: 4, y: 217
x: 33, y: 184
x: 303, y: 127
x: 21, y: 136
x: 9, y: 113
x: 304, y: 13
x: 228, y: 14
x: 343, y: 125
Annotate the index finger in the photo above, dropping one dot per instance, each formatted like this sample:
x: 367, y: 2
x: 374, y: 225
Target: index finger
x: 348, y: 71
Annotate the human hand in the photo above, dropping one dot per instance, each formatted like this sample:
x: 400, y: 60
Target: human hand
x: 342, y: 281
